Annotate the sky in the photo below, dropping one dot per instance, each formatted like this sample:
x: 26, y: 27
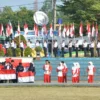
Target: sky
x: 21, y: 2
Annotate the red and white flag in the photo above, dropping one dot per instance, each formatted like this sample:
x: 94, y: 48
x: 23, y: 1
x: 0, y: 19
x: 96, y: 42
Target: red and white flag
x: 67, y: 30
x: 36, y: 30
x: 25, y: 77
x: 64, y: 32
x: 88, y: 29
x: 7, y: 74
x: 51, y: 31
x: 72, y: 30
x: 25, y: 29
x: 81, y: 29
x: 18, y: 29
x: 1, y: 29
x: 59, y: 30
x: 96, y: 30
x: 45, y: 29
x: 93, y: 30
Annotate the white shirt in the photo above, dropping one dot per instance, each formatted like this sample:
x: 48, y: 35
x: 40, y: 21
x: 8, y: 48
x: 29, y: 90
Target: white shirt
x: 70, y: 45
x: 76, y: 45
x: 74, y: 71
x: 55, y: 45
x: 60, y: 68
x: 37, y: 44
x: 21, y: 44
x: 12, y: 44
x: 85, y: 44
x: 46, y: 68
x: 7, y: 45
x: 29, y: 44
x: 45, y: 44
x: 92, y: 45
x: 15, y: 45
x: 63, y: 44
x: 90, y: 70
x: 98, y: 45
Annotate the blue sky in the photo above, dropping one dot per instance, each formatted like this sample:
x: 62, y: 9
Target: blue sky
x: 19, y: 2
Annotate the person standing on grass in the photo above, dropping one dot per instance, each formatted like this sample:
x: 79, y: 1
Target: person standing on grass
x: 21, y: 48
x: 70, y: 48
x: 76, y: 47
x: 60, y: 73
x: 64, y: 70
x: 92, y: 48
x: 47, y: 72
x: 91, y: 70
x: 85, y: 45
x: 98, y: 48
x: 74, y: 73
x: 62, y: 48
x: 45, y: 48
x: 55, y: 48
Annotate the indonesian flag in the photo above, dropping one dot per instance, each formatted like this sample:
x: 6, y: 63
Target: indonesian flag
x: 7, y: 74
x: 45, y: 29
x: 25, y: 28
x: 67, y: 30
x: 96, y: 31
x: 93, y: 30
x: 72, y: 30
x: 1, y: 29
x: 18, y: 30
x: 26, y: 76
x: 88, y: 29
x: 64, y: 32
x: 36, y: 30
x: 81, y: 29
x: 59, y: 30
x: 51, y: 31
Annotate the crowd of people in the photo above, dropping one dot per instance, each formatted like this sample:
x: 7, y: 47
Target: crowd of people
x: 20, y: 68
x: 55, y: 47
x: 62, y: 71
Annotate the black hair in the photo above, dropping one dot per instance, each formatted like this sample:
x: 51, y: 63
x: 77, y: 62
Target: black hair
x: 62, y: 62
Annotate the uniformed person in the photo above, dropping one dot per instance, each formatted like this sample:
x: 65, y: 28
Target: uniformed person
x: 76, y: 47
x: 45, y: 48
x: 70, y: 48
x: 98, y: 48
x: 85, y: 45
x: 62, y: 48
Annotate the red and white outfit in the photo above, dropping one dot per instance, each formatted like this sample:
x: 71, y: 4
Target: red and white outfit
x: 65, y: 70
x: 78, y: 72
x: 74, y: 73
x: 47, y: 73
x: 91, y: 71
x: 60, y: 73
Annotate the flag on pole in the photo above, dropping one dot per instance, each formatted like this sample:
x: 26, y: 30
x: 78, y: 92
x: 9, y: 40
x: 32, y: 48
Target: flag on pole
x: 25, y: 28
x: 67, y: 30
x: 18, y: 29
x: 81, y: 29
x: 72, y: 30
x: 59, y: 30
x: 1, y: 29
x: 93, y: 30
x: 96, y: 31
x: 51, y: 31
x: 36, y: 30
x: 64, y: 31
x: 88, y: 29
x: 11, y: 28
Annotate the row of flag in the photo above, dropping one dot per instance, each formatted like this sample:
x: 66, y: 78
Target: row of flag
x: 67, y: 31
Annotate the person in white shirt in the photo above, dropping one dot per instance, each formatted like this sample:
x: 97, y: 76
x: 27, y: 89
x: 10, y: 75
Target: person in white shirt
x: 76, y: 47
x: 55, y: 48
x: 37, y: 43
x: 45, y: 48
x: 92, y: 48
x: 7, y: 45
x: 70, y: 48
x: 98, y: 48
x: 91, y: 70
x: 22, y: 48
x: 12, y: 47
x: 85, y: 45
x: 62, y: 47
x: 29, y: 43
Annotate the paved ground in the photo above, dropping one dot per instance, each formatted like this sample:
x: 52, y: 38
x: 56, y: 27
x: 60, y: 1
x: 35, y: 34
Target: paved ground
x: 40, y: 83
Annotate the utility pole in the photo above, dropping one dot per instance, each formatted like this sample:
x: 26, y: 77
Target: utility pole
x: 54, y: 14
x: 35, y: 5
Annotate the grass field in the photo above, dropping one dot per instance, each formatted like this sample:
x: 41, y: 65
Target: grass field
x: 49, y: 93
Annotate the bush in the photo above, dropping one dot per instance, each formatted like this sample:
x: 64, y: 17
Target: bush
x: 1, y: 52
x: 22, y: 38
x: 38, y: 49
x: 27, y: 51
x: 9, y: 52
x: 18, y: 52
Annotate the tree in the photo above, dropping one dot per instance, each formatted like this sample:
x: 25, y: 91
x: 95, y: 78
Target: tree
x: 81, y: 10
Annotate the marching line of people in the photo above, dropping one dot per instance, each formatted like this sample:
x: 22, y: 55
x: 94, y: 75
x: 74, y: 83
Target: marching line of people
x: 62, y: 71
